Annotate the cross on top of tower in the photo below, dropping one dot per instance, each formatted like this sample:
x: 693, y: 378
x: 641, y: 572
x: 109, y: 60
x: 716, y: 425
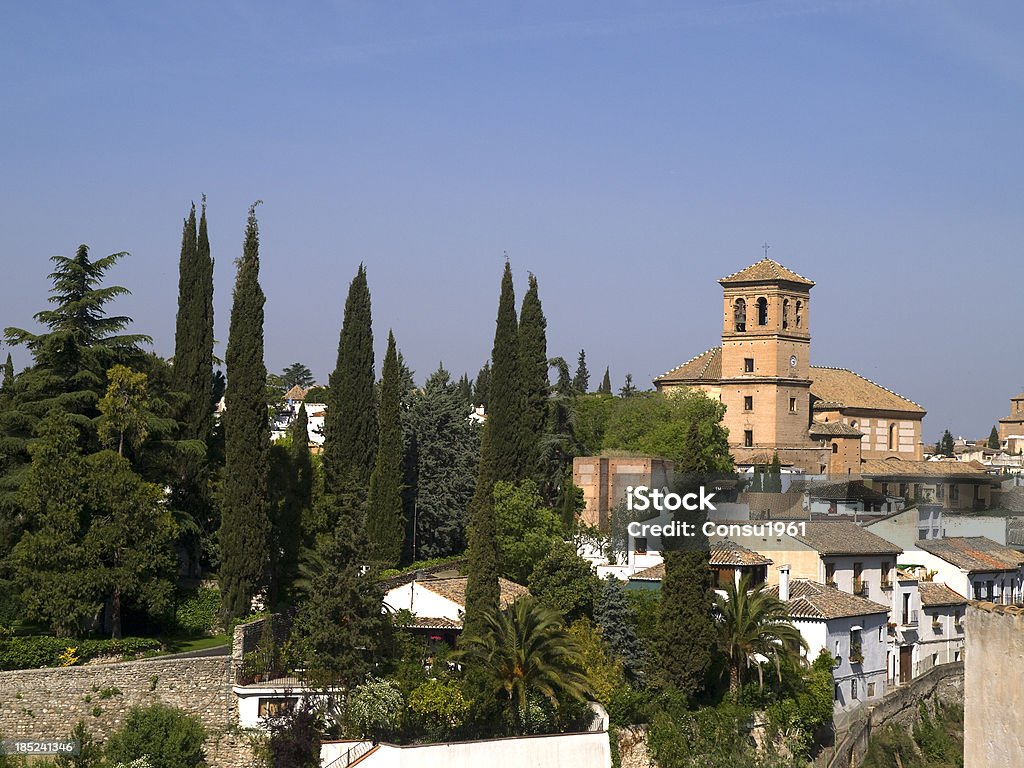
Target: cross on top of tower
x: 766, y: 247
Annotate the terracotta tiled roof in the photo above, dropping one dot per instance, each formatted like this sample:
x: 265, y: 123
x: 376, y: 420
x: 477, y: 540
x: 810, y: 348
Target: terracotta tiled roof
x: 729, y: 553
x: 933, y: 594
x: 705, y: 366
x: 833, y: 429
x: 427, y: 622
x: 811, y: 600
x: 974, y: 554
x: 844, y: 537
x: 296, y: 393
x: 654, y: 573
x: 455, y: 589
x: 893, y: 467
x: 843, y: 386
x: 766, y: 270
x: 854, y: 490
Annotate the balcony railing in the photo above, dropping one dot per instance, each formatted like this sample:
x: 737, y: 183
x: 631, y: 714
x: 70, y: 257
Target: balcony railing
x: 910, y: 619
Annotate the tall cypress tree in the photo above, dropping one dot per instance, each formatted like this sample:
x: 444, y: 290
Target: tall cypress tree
x: 302, y: 460
x: 245, y: 523
x: 501, y: 457
x: 482, y: 385
x: 993, y: 436
x: 606, y: 383
x: 533, y: 378
x: 193, y: 334
x: 9, y: 373
x: 385, y: 523
x: 581, y: 381
x: 350, y: 425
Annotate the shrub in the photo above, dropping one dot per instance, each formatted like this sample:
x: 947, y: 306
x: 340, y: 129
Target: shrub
x: 441, y: 706
x: 199, y: 613
x: 376, y: 708
x: 166, y: 735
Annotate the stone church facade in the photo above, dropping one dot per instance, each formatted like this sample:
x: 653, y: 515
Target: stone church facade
x: 817, y: 419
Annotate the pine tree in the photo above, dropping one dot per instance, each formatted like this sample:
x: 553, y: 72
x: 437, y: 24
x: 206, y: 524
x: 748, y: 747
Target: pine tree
x: 350, y: 425
x: 447, y: 451
x: 339, y: 624
x: 618, y: 620
x: 533, y: 378
x: 385, y: 524
x: 581, y: 381
x: 465, y: 387
x: 606, y: 384
x: 628, y: 389
x: 245, y: 524
x: 993, y: 436
x: 501, y: 454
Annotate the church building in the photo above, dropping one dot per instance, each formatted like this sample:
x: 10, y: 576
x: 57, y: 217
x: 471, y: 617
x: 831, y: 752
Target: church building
x: 817, y: 419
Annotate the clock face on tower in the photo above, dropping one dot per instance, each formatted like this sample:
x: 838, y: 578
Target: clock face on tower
x: 792, y: 361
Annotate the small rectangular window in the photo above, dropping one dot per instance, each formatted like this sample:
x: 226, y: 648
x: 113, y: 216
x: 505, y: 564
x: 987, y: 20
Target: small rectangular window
x: 871, y: 690
x: 853, y: 689
x: 792, y: 405
x: 640, y: 545
x: 748, y: 438
x: 748, y: 402
x: 748, y: 365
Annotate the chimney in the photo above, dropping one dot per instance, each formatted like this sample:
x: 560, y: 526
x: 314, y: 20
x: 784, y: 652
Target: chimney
x: 784, y: 583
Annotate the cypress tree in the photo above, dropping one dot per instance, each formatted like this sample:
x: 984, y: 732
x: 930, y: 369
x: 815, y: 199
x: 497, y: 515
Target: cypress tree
x: 533, y: 377
x: 465, y: 386
x: 8, y: 373
x: 482, y: 385
x: 244, y: 506
x: 581, y: 381
x: 302, y: 460
x: 686, y: 629
x: 606, y: 383
x: 500, y: 459
x: 193, y: 335
x: 350, y: 425
x: 993, y: 436
x: 385, y: 526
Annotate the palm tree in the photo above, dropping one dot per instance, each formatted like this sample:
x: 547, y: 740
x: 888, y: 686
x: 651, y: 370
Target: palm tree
x: 754, y: 629
x: 522, y: 649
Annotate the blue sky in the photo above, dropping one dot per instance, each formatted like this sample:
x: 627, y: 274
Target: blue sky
x: 629, y: 154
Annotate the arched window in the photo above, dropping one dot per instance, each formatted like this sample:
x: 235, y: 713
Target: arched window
x: 799, y: 318
x: 762, y: 311
x: 739, y: 315
x: 835, y: 447
x: 785, y: 314
x: 892, y: 436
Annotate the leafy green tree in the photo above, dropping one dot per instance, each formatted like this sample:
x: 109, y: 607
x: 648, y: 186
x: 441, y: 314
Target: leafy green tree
x: 350, y: 425
x: 447, y: 453
x: 47, y: 557
x: 526, y: 649
x: 124, y: 416
x: 297, y: 375
x: 565, y: 582
x: 245, y: 520
x: 754, y: 631
x: 617, y: 619
x: 128, y: 545
x: 442, y: 707
x: 993, y: 436
x: 606, y: 383
x: 169, y: 737
x: 316, y: 394
x: 294, y: 741
x: 526, y: 529
x: 338, y: 625
x: 533, y: 378
x: 376, y: 709
x: 602, y: 670
x: 683, y: 426
x: 590, y: 417
x: 385, y: 524
x: 581, y: 381
x: 501, y: 457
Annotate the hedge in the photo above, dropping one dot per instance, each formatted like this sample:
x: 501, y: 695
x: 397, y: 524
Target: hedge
x: 44, y: 651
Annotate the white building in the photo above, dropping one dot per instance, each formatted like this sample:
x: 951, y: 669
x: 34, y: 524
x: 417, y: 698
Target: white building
x: 439, y: 603
x: 974, y: 567
x: 942, y: 629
